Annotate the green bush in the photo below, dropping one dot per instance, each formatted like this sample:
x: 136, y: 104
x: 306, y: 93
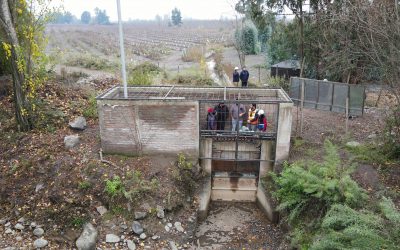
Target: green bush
x: 279, y: 82
x: 246, y: 38
x: 90, y: 61
x: 114, y: 187
x: 392, y: 134
x: 315, y: 186
x: 346, y: 228
x: 90, y: 110
x: 140, y: 78
x: 183, y: 174
x: 193, y: 79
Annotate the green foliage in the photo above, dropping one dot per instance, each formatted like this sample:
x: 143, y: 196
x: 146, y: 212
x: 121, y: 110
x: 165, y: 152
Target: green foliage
x: 143, y: 74
x: 86, y: 17
x: 183, y: 174
x: 283, y: 43
x: 279, y: 82
x: 368, y: 153
x: 176, y: 17
x: 60, y: 17
x: 85, y: 185
x: 114, y: 187
x: 346, y: 228
x: 219, y: 58
x: 100, y: 17
x: 246, y: 38
x: 137, y: 187
x: 90, y: 61
x: 193, y: 79
x: 90, y: 110
x: 78, y: 222
x: 316, y: 186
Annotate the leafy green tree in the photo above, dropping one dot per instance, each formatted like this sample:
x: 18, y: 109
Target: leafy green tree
x: 176, y: 17
x: 60, y: 17
x: 101, y: 16
x: 23, y: 42
x: 86, y: 17
x: 246, y: 41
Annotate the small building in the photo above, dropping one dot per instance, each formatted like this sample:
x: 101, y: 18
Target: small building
x: 171, y: 120
x: 286, y: 69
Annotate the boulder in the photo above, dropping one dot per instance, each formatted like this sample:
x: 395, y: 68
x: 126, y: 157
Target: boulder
x: 137, y: 228
x: 87, y: 240
x: 71, y: 141
x: 79, y: 123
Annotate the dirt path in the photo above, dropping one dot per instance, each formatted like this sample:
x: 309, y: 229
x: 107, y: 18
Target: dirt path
x: 237, y: 226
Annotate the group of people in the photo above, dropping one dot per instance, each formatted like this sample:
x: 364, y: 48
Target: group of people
x: 254, y: 119
x: 243, y: 76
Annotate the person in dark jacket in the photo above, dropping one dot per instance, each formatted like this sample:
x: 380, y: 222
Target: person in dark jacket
x: 222, y: 115
x: 244, y: 77
x: 235, y: 77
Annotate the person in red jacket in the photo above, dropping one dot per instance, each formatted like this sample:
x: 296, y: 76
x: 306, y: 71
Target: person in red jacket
x: 262, y: 121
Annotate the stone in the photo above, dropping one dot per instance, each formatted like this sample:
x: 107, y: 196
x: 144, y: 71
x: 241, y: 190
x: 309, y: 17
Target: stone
x: 9, y: 231
x: 123, y: 226
x: 179, y: 227
x: 167, y: 228
x: 33, y: 224
x: 169, y: 224
x: 10, y: 248
x: 140, y: 215
x: 353, y: 144
x: 87, y: 240
x: 21, y: 220
x: 372, y: 136
x: 39, y: 187
x: 71, y: 141
x: 79, y: 123
x: 143, y: 236
x: 18, y: 238
x: 38, y: 232
x: 40, y: 243
x: 137, y: 228
x: 101, y: 210
x: 112, y: 238
x: 19, y: 226
x: 3, y: 221
x: 172, y: 245
x: 7, y: 224
x: 155, y: 237
x: 160, y: 212
x: 131, y: 245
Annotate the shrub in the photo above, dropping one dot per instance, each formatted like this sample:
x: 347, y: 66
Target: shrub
x: 195, y: 79
x: 346, y: 228
x: 143, y: 74
x: 392, y: 134
x: 279, y: 82
x: 90, y: 110
x: 315, y: 186
x: 139, y: 78
x: 183, y: 174
x: 192, y: 54
x: 114, y: 187
x: 90, y: 61
x: 246, y: 38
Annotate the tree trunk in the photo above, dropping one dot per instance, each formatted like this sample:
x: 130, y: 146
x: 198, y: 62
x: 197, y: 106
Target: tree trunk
x: 20, y: 102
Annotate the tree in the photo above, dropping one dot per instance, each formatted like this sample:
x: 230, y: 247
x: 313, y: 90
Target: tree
x: 59, y: 17
x: 23, y: 43
x: 158, y: 19
x: 101, y: 16
x: 176, y: 17
x: 246, y: 41
x: 86, y: 17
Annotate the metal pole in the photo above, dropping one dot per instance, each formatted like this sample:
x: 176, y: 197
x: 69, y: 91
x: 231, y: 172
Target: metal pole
x: 122, y: 51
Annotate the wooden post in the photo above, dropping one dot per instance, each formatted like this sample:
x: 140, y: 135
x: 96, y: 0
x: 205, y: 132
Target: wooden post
x: 302, y: 107
x: 178, y: 69
x: 259, y: 77
x: 347, y: 114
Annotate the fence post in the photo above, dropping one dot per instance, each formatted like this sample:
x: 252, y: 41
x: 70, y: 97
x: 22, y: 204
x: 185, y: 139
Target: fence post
x: 259, y: 76
x: 347, y: 114
x: 302, y: 107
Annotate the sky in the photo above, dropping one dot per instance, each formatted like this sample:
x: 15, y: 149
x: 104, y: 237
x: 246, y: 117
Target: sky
x: 148, y: 9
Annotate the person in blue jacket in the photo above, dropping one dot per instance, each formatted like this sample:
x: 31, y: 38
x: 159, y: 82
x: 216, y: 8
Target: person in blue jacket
x: 244, y: 77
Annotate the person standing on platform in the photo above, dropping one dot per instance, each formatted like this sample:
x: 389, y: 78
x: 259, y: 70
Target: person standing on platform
x: 244, y: 77
x: 235, y: 77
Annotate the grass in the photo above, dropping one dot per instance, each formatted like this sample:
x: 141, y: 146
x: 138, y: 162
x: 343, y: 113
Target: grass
x: 90, y: 110
x: 193, y: 54
x: 367, y: 153
x: 84, y: 185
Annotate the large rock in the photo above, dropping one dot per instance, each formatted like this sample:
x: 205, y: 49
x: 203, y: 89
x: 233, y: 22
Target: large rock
x: 137, y: 228
x: 38, y: 232
x: 87, y: 240
x: 40, y: 243
x: 140, y: 215
x: 79, y: 123
x: 112, y: 238
x: 71, y: 141
x: 352, y: 144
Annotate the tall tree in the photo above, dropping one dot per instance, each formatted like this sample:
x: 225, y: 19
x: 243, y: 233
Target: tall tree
x: 23, y: 44
x: 101, y: 16
x: 176, y: 17
x: 86, y: 17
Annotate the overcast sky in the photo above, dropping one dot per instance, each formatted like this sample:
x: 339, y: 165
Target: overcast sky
x: 148, y: 9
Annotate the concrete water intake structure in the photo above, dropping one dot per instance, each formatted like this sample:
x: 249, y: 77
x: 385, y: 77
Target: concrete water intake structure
x: 203, y: 123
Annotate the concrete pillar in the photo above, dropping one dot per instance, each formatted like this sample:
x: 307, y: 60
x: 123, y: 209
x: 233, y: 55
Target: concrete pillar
x: 283, y: 133
x: 206, y: 154
x: 266, y: 157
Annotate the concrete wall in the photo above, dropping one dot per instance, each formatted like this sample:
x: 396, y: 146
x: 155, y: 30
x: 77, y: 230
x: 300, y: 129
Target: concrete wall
x: 149, y: 127
x: 283, y: 133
